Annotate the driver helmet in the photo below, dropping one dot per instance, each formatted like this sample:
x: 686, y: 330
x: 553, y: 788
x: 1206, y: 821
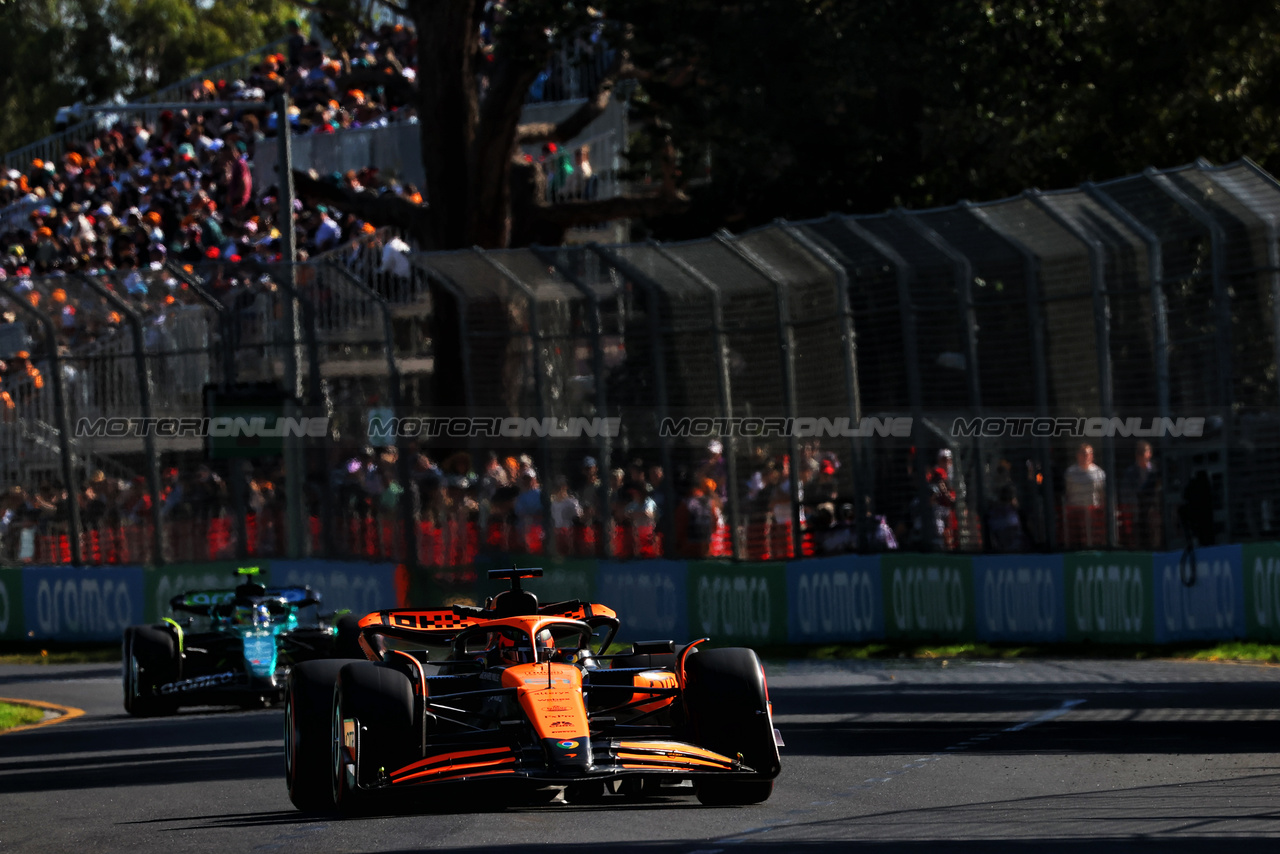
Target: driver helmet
x: 511, y: 651
x: 545, y: 640
x: 250, y: 615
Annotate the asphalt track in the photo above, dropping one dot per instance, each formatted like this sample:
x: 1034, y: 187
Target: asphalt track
x: 1041, y: 756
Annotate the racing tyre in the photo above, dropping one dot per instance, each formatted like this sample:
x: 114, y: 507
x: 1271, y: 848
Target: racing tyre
x: 372, y: 728
x: 728, y: 709
x: 348, y: 642
x: 307, y: 708
x: 149, y: 657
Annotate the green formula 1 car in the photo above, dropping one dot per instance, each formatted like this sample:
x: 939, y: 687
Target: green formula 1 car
x: 229, y: 647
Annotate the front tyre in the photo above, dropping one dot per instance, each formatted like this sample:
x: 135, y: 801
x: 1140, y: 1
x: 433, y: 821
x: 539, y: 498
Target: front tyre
x: 149, y: 658
x: 372, y: 728
x: 728, y: 711
x: 308, y: 704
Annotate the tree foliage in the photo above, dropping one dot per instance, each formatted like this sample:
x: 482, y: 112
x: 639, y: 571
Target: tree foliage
x: 801, y: 107
x: 56, y: 53
x: 162, y: 41
x: 60, y: 52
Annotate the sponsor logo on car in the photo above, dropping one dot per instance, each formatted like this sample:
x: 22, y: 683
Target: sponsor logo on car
x: 197, y: 683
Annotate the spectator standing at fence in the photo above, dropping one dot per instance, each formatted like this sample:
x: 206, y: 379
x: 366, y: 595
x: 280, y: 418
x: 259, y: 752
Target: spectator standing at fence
x: 942, y: 499
x: 1196, y: 512
x: 1085, y: 493
x: 528, y: 507
x: 695, y: 519
x: 589, y: 488
x: 1086, y: 482
x: 1140, y: 491
x: 566, y: 514
x: 1004, y: 522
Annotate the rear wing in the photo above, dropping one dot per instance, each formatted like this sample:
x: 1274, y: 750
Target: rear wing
x: 444, y: 623
x: 459, y: 617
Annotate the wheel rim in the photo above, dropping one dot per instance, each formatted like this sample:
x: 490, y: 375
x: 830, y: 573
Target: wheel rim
x: 339, y: 771
x: 290, y: 740
x: 134, y: 667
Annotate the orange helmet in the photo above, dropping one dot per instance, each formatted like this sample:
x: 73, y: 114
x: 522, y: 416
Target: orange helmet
x: 508, y: 651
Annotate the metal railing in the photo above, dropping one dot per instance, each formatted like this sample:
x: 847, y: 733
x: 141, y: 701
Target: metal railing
x: 54, y: 145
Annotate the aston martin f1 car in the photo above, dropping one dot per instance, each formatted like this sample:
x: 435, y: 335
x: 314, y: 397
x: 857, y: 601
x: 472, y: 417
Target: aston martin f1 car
x: 520, y: 696
x: 229, y: 647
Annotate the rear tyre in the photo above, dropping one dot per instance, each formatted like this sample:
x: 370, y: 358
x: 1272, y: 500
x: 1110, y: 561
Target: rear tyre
x: 308, y: 704
x: 728, y: 712
x: 378, y: 701
x: 149, y: 659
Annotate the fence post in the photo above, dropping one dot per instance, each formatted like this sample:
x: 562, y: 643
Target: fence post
x: 863, y: 473
x: 657, y: 355
x: 235, y: 465
x: 963, y: 272
x: 294, y: 466
x: 60, y: 415
x: 1160, y: 316
x: 1222, y: 306
x: 295, y: 469
x: 1035, y: 326
x: 549, y: 257
x: 393, y: 379
x: 544, y: 446
x: 1273, y: 255
x: 1102, y: 325
x: 724, y: 385
x: 911, y: 358
x: 787, y: 346
x: 144, y: 395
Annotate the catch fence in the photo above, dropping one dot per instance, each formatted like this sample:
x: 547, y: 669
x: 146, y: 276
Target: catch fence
x: 921, y: 379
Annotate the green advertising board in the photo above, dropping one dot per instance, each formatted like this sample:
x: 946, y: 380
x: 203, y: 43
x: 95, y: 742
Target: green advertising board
x: 1109, y: 597
x: 928, y: 597
x: 11, y: 623
x: 1262, y: 591
x: 738, y: 603
x: 161, y: 584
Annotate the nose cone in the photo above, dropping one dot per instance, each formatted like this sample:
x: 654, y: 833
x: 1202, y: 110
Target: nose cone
x: 568, y: 755
x: 551, y: 696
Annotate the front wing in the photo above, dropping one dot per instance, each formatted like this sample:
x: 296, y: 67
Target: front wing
x: 609, y: 759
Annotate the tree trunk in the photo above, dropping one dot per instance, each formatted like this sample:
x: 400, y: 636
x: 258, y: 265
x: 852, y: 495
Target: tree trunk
x: 448, y: 38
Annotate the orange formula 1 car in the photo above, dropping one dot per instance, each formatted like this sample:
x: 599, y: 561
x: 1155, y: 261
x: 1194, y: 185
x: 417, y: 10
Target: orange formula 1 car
x: 518, y: 694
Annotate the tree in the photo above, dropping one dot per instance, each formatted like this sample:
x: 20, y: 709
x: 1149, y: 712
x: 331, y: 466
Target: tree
x: 163, y: 41
x: 795, y: 108
x: 55, y: 55
x: 480, y: 191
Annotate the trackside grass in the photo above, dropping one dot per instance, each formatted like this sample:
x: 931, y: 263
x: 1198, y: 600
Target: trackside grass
x: 12, y: 716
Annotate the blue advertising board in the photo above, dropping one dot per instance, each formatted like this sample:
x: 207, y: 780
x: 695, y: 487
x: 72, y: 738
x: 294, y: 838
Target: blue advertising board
x: 1020, y: 598
x: 835, y: 599
x: 81, y: 604
x: 1211, y: 606
x: 649, y: 597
